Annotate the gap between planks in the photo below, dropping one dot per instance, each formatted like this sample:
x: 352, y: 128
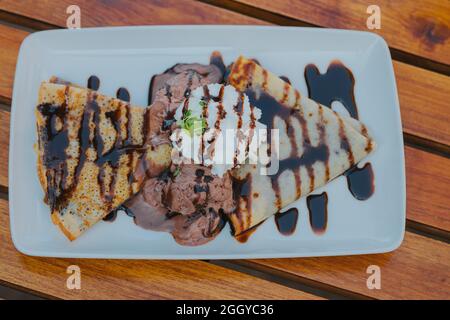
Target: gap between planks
x: 286, y: 279
x: 282, y: 20
x: 424, y: 144
x: 10, y: 291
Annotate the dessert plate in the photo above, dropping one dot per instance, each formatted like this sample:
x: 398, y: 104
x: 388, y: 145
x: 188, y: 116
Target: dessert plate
x: 129, y: 56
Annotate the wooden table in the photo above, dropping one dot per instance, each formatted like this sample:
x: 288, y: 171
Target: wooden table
x: 418, y: 33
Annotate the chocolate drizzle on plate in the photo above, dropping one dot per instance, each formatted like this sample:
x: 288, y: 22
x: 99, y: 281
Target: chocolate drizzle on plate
x: 244, y: 236
x: 337, y: 84
x: 93, y: 83
x: 285, y: 79
x: 123, y: 94
x: 112, y: 216
x: 361, y: 181
x: 271, y: 108
x: 318, y: 211
x: 287, y: 221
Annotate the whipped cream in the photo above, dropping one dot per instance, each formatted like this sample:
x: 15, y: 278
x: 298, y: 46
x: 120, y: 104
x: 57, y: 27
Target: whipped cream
x: 218, y: 128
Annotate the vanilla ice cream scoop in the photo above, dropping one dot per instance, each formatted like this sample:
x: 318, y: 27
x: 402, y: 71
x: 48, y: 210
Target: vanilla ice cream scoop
x: 217, y: 129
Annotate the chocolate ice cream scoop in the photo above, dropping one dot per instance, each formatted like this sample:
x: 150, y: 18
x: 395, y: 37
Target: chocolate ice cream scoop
x: 189, y: 202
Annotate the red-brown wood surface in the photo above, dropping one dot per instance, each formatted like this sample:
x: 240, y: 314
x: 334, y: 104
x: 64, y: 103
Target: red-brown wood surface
x: 418, y: 269
x: 424, y: 105
x: 418, y: 27
x: 124, y: 13
x: 10, y: 40
x: 427, y: 183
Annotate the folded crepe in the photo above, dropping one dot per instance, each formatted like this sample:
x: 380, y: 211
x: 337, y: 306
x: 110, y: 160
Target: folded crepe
x: 90, y: 148
x: 316, y: 145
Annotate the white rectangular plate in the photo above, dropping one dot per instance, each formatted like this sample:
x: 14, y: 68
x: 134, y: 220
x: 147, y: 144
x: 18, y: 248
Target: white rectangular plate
x: 129, y: 57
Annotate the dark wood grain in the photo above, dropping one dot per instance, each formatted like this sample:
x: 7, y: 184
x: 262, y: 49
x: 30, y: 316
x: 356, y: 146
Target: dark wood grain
x: 421, y: 27
x: 4, y: 145
x: 10, y: 40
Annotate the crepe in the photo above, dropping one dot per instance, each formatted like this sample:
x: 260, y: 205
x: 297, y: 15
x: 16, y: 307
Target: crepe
x: 316, y: 145
x: 89, y: 148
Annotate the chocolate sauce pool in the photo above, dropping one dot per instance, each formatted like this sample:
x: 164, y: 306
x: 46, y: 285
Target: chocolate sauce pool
x: 287, y: 221
x: 361, y: 181
x: 318, y: 211
x: 93, y: 82
x: 123, y: 94
x: 337, y: 84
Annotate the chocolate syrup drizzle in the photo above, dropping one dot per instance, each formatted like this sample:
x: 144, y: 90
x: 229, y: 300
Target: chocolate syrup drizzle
x: 272, y: 108
x: 287, y: 221
x: 93, y: 83
x: 361, y: 181
x: 54, y: 136
x: 318, y: 211
x: 337, y: 84
x: 55, y: 140
x: 123, y: 94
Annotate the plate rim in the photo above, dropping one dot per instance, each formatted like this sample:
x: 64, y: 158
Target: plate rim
x: 21, y: 247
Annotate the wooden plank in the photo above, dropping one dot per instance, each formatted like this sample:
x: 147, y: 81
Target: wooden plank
x: 423, y: 94
x: 10, y: 40
x: 123, y: 13
x: 419, y: 269
x: 132, y: 279
x: 418, y: 27
x: 427, y: 182
x: 424, y: 102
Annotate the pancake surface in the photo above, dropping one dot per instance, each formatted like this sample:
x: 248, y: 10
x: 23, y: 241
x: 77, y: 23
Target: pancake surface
x: 89, y: 147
